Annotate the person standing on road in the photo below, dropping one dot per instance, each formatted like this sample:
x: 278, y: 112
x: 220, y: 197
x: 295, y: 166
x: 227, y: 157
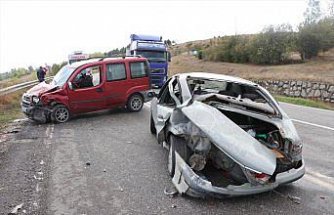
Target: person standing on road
x: 41, y: 74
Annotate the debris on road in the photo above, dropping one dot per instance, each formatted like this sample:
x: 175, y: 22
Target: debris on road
x: 87, y: 163
x: 14, y: 131
x: 170, y: 192
x: 295, y: 199
x: 38, y: 178
x: 42, y: 162
x: 16, y: 209
x: 173, y: 206
x: 104, y: 170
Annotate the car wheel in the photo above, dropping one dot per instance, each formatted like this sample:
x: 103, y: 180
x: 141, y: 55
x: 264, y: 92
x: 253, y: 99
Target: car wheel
x: 152, y: 126
x: 178, y: 145
x: 135, y: 103
x: 60, y: 114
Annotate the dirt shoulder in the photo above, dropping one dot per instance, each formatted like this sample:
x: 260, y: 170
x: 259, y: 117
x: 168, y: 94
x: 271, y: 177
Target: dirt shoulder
x: 319, y: 70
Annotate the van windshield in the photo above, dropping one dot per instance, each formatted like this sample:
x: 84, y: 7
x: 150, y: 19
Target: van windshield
x: 62, y: 76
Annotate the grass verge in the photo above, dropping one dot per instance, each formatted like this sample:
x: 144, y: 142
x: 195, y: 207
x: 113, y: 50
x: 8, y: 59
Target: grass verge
x: 10, y: 107
x: 305, y: 102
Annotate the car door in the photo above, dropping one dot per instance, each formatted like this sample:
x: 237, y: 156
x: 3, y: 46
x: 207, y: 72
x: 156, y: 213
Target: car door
x: 165, y: 105
x: 87, y: 93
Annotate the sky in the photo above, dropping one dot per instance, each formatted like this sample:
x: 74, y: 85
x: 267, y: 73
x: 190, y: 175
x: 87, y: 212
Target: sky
x: 38, y: 32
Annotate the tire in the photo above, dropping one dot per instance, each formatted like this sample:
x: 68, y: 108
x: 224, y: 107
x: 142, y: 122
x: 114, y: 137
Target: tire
x: 177, y: 144
x: 152, y: 126
x: 135, y: 103
x: 60, y: 114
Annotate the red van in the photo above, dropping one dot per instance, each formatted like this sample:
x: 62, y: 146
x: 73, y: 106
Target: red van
x: 88, y: 86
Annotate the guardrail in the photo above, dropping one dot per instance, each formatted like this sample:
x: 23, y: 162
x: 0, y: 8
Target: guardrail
x: 21, y: 86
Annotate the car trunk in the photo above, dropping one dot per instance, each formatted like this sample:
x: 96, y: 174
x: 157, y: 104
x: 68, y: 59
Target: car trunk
x: 262, y: 148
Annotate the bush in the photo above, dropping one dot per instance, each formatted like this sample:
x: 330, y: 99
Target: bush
x: 315, y: 37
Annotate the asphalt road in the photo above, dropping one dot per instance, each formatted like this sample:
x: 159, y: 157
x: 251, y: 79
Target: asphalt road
x: 109, y: 163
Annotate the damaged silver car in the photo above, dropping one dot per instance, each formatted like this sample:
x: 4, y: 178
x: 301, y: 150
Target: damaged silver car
x: 225, y: 136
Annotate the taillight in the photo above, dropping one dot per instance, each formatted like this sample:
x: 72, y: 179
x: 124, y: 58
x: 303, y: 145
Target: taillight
x: 262, y: 177
x: 256, y: 178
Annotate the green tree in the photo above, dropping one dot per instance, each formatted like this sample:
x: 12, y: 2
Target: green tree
x: 315, y: 37
x: 331, y: 8
x: 272, y: 45
x: 313, y: 12
x: 97, y: 55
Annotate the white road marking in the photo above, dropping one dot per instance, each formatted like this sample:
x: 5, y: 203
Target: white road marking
x: 313, y: 124
x: 319, y: 179
x: 49, y: 134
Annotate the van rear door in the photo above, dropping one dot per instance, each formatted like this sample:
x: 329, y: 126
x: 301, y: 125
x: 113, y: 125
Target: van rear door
x: 116, y: 84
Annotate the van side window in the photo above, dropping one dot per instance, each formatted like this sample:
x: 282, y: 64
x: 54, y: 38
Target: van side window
x: 88, y: 77
x: 138, y: 69
x: 116, y: 72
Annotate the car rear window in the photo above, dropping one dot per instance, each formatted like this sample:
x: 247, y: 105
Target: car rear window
x: 138, y: 69
x: 116, y: 72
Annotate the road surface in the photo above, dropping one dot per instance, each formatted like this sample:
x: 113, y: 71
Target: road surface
x: 109, y: 163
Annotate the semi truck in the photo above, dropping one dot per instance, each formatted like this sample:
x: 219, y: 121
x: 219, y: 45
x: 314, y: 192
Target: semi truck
x: 155, y: 51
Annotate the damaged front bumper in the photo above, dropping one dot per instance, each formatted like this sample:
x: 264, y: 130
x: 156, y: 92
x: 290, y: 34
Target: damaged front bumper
x: 35, y: 112
x: 188, y: 182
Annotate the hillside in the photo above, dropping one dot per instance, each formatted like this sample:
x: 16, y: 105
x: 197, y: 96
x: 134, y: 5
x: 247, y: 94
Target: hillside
x: 318, y: 69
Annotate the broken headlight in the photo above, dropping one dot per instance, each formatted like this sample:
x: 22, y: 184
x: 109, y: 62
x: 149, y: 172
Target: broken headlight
x: 35, y: 99
x: 255, y: 177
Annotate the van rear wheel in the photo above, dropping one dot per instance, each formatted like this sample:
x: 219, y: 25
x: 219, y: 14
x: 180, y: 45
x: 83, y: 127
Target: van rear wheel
x: 135, y: 103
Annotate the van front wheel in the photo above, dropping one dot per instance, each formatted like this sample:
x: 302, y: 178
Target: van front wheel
x: 135, y: 103
x: 60, y: 114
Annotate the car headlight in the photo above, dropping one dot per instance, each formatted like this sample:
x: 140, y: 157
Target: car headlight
x: 35, y: 99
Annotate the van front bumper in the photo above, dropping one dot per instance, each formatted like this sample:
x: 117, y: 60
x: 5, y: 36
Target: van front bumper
x: 36, y: 113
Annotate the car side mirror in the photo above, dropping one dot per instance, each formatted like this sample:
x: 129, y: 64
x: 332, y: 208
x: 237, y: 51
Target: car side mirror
x: 70, y: 85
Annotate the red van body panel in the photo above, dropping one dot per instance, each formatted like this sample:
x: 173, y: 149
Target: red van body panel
x: 100, y: 94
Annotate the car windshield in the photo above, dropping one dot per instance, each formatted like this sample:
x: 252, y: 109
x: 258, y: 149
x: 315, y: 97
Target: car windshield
x: 62, y: 76
x: 233, y: 95
x: 153, y: 55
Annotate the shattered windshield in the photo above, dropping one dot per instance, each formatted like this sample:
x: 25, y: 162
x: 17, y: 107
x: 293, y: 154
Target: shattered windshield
x: 224, y: 93
x: 62, y: 76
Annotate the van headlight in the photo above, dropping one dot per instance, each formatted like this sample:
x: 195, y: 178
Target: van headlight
x: 35, y: 99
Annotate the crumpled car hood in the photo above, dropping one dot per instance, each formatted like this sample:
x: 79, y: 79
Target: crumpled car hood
x: 40, y: 88
x: 230, y: 138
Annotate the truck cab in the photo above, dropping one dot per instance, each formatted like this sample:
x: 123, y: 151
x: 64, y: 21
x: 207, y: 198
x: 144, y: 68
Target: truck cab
x: 87, y: 86
x: 155, y: 50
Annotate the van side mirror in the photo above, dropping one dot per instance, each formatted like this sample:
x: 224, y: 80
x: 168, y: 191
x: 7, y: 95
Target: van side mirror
x: 169, y: 57
x: 70, y: 85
